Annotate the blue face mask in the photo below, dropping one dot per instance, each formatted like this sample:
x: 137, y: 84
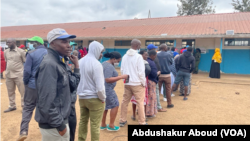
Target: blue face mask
x: 31, y: 47
x: 138, y: 50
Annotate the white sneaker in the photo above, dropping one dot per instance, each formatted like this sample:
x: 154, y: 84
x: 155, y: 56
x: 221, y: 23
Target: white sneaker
x: 164, y: 99
x: 172, y: 95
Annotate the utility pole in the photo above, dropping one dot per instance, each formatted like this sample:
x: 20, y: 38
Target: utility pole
x: 149, y: 14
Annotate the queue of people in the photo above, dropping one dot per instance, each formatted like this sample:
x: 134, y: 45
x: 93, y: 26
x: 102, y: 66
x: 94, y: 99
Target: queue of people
x: 47, y: 83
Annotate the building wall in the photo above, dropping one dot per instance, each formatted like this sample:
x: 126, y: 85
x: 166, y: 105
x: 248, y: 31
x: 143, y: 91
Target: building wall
x: 235, y: 59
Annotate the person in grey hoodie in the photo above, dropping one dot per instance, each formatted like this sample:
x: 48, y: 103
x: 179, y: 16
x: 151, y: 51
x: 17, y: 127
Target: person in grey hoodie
x: 91, y: 91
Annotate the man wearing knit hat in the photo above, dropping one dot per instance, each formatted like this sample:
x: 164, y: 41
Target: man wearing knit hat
x: 54, y: 87
x: 33, y: 60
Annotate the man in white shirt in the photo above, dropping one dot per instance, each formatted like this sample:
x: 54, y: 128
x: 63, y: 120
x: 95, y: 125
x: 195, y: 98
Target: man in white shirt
x: 133, y: 65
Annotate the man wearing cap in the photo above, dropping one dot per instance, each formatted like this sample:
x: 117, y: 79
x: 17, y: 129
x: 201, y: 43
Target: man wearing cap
x: 15, y: 58
x: 159, y: 107
x: 33, y: 60
x: 184, y: 49
x: 54, y: 88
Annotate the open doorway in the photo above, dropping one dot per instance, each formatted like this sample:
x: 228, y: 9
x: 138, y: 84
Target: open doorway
x: 190, y: 42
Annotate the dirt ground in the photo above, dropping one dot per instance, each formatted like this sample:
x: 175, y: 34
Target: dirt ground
x: 212, y: 101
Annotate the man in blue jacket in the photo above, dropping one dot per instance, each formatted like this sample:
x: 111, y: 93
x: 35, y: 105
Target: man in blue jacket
x: 33, y: 60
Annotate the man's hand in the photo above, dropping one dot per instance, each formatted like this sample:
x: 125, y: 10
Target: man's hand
x: 158, y: 73
x: 63, y: 132
x: 74, y: 60
x: 125, y: 76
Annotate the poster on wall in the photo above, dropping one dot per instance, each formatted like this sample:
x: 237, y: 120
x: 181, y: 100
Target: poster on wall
x: 3, y: 44
x: 203, y: 50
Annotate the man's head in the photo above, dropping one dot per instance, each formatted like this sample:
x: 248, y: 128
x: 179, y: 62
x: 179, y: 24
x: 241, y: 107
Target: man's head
x: 198, y: 50
x: 22, y: 47
x: 163, y: 47
x: 11, y: 43
x: 136, y: 44
x: 96, y: 49
x: 46, y: 45
x: 152, y: 54
x: 36, y: 41
x: 59, y: 41
x: 168, y: 48
x: 173, y: 49
x: 190, y: 49
x: 151, y: 47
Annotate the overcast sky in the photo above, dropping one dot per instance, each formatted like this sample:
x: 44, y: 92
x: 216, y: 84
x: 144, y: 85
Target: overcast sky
x: 30, y: 12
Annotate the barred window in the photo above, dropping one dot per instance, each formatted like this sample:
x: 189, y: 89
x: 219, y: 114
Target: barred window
x: 123, y: 43
x: 159, y: 42
x: 237, y: 42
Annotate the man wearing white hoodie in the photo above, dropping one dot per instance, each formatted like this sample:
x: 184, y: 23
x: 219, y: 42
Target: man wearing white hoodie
x: 91, y: 91
x: 133, y: 65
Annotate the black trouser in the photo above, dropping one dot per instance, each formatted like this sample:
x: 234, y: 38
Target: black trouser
x: 72, y: 123
x: 30, y: 97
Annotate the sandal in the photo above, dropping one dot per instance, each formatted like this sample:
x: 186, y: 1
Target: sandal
x: 151, y: 116
x: 162, y: 110
x: 133, y: 118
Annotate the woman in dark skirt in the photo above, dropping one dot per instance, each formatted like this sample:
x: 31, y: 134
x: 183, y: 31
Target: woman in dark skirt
x: 111, y: 77
x: 215, y: 66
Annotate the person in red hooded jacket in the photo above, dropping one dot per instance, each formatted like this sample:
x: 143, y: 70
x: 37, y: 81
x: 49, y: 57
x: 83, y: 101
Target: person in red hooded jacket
x: 81, y: 51
x: 3, y: 63
x: 23, y: 47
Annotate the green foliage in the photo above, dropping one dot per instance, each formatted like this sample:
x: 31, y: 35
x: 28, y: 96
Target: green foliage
x: 195, y: 7
x: 241, y: 6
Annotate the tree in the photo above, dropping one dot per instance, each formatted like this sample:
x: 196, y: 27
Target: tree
x: 195, y: 7
x: 242, y: 6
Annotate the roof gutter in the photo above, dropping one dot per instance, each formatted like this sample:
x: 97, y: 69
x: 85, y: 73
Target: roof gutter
x: 157, y: 37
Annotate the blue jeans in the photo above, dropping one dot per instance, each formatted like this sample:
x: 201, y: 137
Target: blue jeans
x: 182, y: 75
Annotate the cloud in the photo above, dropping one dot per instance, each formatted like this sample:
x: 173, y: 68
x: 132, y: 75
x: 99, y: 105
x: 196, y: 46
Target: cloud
x: 30, y: 12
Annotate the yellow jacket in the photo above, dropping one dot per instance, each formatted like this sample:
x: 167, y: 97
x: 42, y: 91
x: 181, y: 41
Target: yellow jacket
x: 217, y: 56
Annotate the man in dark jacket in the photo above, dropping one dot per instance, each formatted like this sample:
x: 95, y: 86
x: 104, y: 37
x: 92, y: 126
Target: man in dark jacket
x: 185, y: 65
x: 74, y: 79
x: 33, y: 60
x: 165, y: 60
x: 53, y: 87
x: 159, y: 107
